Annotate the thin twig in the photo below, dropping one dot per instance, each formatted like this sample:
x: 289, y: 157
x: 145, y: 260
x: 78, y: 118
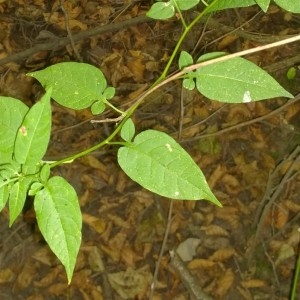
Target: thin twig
x: 246, y: 123
x: 109, y: 120
x: 162, y: 250
x: 187, y: 278
x: 287, y: 225
x: 67, y: 22
x: 272, y: 196
x: 272, y: 264
x: 62, y: 42
x: 180, y: 125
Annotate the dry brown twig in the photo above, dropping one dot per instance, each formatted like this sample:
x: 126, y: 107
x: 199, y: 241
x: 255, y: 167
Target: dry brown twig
x: 59, y: 43
x: 67, y: 22
x: 271, y: 195
x: 187, y: 278
x: 161, y: 253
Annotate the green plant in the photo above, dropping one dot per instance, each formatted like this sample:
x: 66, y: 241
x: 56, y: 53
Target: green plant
x: 151, y: 158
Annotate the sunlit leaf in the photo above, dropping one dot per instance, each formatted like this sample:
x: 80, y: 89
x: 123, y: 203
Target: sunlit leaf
x: 75, y: 85
x: 224, y: 4
x: 59, y: 220
x: 158, y: 163
x: 186, y: 4
x: 128, y: 130
x: 264, y: 4
x: 185, y: 59
x: 13, y: 112
x: 236, y: 81
x: 17, y: 197
x: 161, y: 11
x: 34, y: 133
x: 4, y: 192
x: 292, y: 5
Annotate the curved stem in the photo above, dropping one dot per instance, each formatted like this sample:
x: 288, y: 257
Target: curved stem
x: 157, y: 84
x: 180, y: 15
x: 182, y: 37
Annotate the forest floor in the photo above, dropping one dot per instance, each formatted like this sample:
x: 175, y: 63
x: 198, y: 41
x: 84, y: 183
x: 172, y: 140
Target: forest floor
x: 248, y: 153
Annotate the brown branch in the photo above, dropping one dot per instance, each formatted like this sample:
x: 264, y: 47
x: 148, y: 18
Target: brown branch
x: 161, y: 252
x: 246, y: 123
x: 62, y: 42
x: 70, y: 35
x: 187, y: 278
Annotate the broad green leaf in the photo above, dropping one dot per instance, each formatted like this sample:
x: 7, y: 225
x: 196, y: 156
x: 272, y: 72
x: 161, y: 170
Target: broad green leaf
x: 161, y: 11
x: 17, y: 197
x: 224, y: 4
x: 128, y: 130
x: 12, y: 114
x: 158, y: 163
x: 59, y: 220
x: 289, y: 5
x: 34, y: 133
x: 185, y: 59
x: 75, y: 85
x: 236, y: 81
x: 264, y: 4
x: 186, y: 4
x: 4, y: 192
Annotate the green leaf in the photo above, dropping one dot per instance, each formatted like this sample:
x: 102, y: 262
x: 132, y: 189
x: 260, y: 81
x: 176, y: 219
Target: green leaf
x: 75, y: 85
x: 158, y: 163
x: 12, y: 115
x: 59, y: 219
x: 185, y: 59
x: 161, y: 11
x: 224, y: 4
x: 9, y: 169
x: 34, y: 133
x: 45, y: 173
x: 292, y: 5
x: 4, y: 193
x: 291, y: 73
x: 188, y: 84
x: 97, y: 107
x: 236, y: 80
x: 186, y: 4
x: 109, y: 92
x: 128, y: 130
x: 34, y: 188
x: 17, y: 197
x: 263, y: 4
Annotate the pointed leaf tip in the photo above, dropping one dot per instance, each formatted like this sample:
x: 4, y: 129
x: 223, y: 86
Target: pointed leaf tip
x: 158, y: 163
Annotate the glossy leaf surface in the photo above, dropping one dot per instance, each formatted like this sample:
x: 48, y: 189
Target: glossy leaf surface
x: 236, y: 80
x: 59, y: 219
x: 158, y: 163
x: 34, y: 133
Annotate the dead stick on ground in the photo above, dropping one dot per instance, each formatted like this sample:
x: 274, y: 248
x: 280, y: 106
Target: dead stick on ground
x: 187, y: 278
x: 67, y: 22
x: 271, y: 196
x: 246, y: 123
x: 62, y: 42
x: 162, y: 249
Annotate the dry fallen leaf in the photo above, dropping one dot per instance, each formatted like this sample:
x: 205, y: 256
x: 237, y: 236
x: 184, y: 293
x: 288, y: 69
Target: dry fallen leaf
x: 224, y: 283
x: 187, y: 249
x: 6, y: 275
x: 131, y: 283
